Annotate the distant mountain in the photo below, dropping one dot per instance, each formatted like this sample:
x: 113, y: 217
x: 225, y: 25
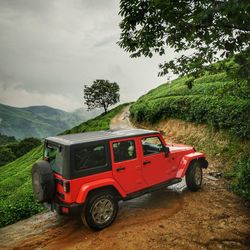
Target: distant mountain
x: 39, y: 121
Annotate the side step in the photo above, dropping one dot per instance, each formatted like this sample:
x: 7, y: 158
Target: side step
x: 152, y: 189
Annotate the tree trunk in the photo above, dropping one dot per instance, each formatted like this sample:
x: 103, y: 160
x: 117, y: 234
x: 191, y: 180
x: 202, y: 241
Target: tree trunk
x: 105, y: 109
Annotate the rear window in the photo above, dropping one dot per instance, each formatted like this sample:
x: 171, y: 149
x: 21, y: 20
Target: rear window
x: 54, y: 155
x: 88, y: 157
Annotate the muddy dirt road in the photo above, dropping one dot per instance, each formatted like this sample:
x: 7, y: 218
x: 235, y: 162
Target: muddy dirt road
x: 212, y: 218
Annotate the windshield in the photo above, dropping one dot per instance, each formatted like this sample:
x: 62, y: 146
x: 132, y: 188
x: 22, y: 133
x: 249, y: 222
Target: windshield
x: 54, y: 156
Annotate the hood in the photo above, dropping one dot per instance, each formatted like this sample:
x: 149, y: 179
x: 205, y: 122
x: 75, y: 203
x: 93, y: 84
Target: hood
x: 175, y: 148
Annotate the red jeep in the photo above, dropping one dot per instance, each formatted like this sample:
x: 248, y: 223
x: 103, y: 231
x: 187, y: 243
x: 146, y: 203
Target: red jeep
x: 88, y: 173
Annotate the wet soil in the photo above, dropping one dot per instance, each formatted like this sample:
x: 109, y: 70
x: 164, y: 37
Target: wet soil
x: 174, y: 218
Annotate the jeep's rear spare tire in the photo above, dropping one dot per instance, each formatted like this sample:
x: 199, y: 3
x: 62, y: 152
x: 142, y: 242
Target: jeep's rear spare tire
x: 101, y: 209
x: 194, y: 176
x: 43, y: 182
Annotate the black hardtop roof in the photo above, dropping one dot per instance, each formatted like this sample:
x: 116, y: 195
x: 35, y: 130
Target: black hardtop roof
x: 103, y: 135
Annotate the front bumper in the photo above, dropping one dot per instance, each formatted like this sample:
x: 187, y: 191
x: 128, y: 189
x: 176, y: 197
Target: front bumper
x: 66, y: 209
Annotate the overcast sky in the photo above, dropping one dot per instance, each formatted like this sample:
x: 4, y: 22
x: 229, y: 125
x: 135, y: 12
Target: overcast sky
x: 50, y: 48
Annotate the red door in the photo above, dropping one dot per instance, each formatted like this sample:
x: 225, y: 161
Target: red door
x: 156, y: 167
x: 126, y: 164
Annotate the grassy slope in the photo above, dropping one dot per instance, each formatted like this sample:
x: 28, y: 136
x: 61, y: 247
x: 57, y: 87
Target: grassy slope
x: 215, y: 101
x: 16, y: 197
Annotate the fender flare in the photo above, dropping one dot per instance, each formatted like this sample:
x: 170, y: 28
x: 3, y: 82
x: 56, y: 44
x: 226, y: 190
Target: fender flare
x: 86, y: 188
x: 186, y: 160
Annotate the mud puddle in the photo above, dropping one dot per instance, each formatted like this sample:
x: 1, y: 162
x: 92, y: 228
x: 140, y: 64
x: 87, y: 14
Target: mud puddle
x: 156, y: 200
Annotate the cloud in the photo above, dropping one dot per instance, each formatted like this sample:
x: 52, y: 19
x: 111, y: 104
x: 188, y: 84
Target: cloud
x: 51, y: 48
x: 16, y: 95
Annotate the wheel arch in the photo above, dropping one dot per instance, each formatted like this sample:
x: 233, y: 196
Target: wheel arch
x: 189, y: 159
x: 109, y: 188
x: 88, y: 188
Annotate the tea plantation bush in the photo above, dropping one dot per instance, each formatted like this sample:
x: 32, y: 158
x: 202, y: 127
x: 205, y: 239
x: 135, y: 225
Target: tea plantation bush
x: 16, y: 198
x: 210, y: 101
x: 241, y: 178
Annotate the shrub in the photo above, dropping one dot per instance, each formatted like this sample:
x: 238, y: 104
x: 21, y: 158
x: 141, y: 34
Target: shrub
x: 10, y: 152
x: 6, y: 155
x: 4, y: 139
x: 241, y: 178
x: 202, y: 104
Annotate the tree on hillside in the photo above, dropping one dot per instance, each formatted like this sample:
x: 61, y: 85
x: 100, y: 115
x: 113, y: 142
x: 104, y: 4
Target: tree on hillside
x: 202, y: 31
x: 101, y: 94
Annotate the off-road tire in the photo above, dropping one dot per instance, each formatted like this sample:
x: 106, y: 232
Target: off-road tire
x: 43, y: 181
x: 93, y: 201
x: 194, y: 176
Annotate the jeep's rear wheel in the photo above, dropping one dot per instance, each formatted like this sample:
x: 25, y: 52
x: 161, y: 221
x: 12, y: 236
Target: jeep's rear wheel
x: 194, y: 176
x: 101, y: 209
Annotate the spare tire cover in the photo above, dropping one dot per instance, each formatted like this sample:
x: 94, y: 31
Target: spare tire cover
x: 43, y: 181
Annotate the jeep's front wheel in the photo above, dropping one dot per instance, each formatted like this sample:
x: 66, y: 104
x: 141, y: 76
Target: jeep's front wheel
x: 101, y: 209
x: 194, y: 176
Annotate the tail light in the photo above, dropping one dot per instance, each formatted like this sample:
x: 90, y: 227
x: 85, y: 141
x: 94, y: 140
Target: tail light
x: 65, y: 210
x: 66, y: 186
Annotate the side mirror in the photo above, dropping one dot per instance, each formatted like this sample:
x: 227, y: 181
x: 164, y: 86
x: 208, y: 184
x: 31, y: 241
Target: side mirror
x: 166, y: 151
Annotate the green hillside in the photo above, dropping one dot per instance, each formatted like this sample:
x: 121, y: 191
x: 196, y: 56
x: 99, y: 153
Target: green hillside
x: 14, y: 150
x: 218, y: 102
x: 214, y: 100
x: 4, y: 139
x: 38, y: 121
x: 16, y: 196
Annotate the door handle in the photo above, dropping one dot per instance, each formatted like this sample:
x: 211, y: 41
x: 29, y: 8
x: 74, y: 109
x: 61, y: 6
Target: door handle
x: 120, y: 169
x: 146, y: 162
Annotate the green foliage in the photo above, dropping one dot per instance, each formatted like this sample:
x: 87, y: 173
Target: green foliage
x: 205, y: 27
x: 240, y: 176
x: 101, y: 94
x: 210, y: 101
x: 4, y: 139
x: 16, y: 195
x: 10, y: 152
x: 16, y: 198
x: 6, y: 155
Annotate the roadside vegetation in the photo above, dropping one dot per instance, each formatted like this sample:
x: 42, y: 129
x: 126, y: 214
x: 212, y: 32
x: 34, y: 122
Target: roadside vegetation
x: 12, y: 151
x: 214, y: 100
x: 16, y: 196
x: 4, y: 139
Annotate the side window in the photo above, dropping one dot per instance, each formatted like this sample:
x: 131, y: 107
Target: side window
x: 124, y: 150
x: 151, y: 145
x: 90, y: 157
